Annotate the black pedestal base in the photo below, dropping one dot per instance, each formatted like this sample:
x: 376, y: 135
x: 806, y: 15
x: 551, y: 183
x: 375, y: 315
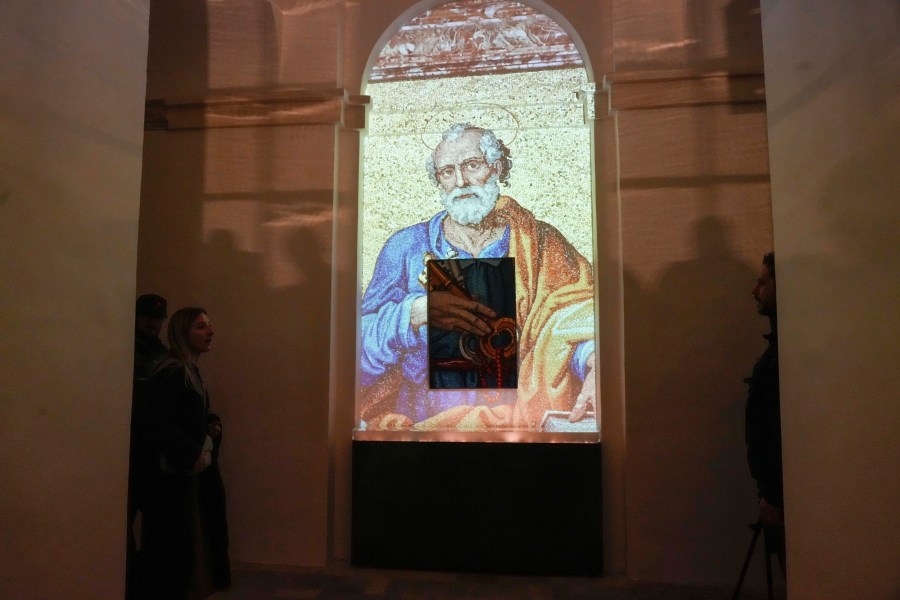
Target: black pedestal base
x: 514, y: 508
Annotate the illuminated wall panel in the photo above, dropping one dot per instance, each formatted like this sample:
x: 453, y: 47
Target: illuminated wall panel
x: 512, y: 75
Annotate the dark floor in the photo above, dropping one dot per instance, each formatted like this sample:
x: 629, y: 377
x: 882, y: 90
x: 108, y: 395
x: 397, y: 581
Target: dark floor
x: 343, y: 582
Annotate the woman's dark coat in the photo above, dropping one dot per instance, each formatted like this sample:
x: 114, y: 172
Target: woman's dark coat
x: 172, y: 428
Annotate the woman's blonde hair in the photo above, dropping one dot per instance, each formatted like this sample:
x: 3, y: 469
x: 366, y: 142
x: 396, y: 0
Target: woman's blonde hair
x: 179, y: 349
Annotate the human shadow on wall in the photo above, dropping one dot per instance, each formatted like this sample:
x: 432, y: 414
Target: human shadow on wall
x: 269, y: 369
x: 233, y: 284
x: 743, y: 30
x: 700, y: 334
x: 306, y: 302
x: 741, y: 24
x: 272, y: 309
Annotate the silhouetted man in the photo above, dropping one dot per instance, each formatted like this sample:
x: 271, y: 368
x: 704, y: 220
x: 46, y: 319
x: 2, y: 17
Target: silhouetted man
x: 763, y: 418
x: 150, y: 313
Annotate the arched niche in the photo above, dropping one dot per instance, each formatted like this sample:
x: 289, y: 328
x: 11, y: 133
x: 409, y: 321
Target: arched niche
x: 512, y: 67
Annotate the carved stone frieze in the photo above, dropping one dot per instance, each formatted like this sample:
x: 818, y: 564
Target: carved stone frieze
x: 475, y: 38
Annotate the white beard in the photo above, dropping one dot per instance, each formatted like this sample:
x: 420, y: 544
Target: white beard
x: 470, y: 211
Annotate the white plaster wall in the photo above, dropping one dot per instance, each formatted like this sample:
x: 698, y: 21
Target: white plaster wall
x: 833, y: 84
x: 71, y: 112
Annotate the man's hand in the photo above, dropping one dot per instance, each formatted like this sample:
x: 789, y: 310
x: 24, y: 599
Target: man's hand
x: 587, y: 399
x: 452, y: 313
x: 203, y: 461
x: 769, y: 514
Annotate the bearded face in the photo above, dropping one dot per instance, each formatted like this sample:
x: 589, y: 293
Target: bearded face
x: 764, y: 293
x: 469, y: 205
x: 468, y: 183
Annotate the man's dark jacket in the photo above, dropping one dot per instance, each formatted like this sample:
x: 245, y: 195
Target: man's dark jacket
x: 763, y: 423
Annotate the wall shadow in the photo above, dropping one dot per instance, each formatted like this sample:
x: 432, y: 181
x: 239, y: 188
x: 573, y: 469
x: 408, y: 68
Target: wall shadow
x: 683, y: 374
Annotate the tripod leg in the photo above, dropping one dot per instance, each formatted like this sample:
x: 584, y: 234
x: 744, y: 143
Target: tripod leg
x: 756, y: 527
x: 768, y: 567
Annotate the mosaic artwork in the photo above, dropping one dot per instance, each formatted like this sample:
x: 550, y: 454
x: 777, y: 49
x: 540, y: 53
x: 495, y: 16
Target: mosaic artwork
x: 553, y: 304
x: 479, y: 352
x: 474, y: 161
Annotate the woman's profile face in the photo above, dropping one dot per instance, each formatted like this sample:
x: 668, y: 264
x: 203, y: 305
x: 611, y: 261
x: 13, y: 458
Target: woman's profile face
x: 200, y: 334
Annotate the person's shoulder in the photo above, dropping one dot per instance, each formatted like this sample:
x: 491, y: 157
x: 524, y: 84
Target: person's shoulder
x: 525, y: 220
x: 408, y: 235
x: 548, y: 229
x: 550, y: 239
x: 166, y: 371
x: 524, y: 217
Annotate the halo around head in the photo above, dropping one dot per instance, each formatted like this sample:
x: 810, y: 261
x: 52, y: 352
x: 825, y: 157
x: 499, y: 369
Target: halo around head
x: 487, y: 116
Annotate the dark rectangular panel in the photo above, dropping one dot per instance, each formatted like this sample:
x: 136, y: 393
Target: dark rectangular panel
x: 478, y: 507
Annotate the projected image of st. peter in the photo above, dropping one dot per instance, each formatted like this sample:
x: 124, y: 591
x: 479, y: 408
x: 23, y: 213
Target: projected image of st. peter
x: 553, y: 302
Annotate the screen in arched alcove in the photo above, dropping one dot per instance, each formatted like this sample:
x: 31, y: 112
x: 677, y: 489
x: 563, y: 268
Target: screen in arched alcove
x: 478, y: 147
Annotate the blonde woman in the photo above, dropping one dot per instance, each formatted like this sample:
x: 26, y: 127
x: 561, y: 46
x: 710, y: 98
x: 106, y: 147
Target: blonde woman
x: 184, y: 539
